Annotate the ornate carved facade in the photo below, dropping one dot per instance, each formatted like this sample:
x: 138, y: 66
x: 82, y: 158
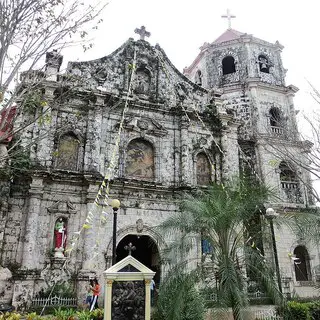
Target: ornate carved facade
x: 154, y: 131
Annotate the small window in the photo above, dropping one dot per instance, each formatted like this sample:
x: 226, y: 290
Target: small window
x: 198, y: 78
x: 68, y: 152
x: 302, y: 264
x: 228, y: 65
x: 263, y: 64
x: 140, y: 159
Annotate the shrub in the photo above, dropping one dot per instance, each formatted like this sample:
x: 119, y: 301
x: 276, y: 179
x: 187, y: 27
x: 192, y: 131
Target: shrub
x: 314, y: 309
x: 10, y: 316
x: 296, y: 310
x: 61, y: 314
x: 83, y: 315
x: 97, y: 314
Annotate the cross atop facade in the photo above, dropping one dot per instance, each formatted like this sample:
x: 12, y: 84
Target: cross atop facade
x: 129, y: 248
x: 142, y: 32
x: 228, y: 16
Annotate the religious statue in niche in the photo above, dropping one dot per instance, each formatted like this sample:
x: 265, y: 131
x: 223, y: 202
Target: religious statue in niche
x: 141, y: 82
x: 100, y: 75
x: 60, y: 237
x: 128, y: 300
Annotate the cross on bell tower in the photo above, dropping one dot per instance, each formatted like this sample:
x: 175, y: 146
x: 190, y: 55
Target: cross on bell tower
x: 142, y: 32
x: 228, y: 16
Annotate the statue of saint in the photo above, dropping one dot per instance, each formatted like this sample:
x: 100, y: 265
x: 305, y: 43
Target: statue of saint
x: 60, y: 234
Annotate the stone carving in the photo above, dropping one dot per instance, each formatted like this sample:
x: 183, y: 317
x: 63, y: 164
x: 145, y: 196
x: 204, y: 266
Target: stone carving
x: 62, y: 207
x: 203, y: 170
x: 141, y: 82
x: 140, y: 160
x: 101, y: 75
x: 142, y: 124
x: 139, y: 224
x: 128, y: 300
x: 181, y: 91
x: 67, y: 153
x: 55, y: 273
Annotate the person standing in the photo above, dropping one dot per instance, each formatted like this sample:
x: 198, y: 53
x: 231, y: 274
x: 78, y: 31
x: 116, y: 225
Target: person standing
x: 95, y: 294
x: 89, y: 296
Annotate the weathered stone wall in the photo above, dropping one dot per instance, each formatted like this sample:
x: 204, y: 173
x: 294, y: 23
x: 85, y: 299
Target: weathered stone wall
x: 175, y: 117
x: 164, y: 108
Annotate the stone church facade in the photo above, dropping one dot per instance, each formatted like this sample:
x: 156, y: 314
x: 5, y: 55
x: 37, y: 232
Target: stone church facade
x: 132, y: 120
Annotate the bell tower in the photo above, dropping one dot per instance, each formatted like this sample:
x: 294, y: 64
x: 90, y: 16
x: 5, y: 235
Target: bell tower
x: 250, y: 74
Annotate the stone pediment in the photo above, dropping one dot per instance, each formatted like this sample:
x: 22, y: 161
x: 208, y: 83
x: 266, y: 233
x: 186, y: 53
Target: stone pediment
x: 144, y: 125
x: 63, y: 207
x: 129, y: 267
x: 155, y: 78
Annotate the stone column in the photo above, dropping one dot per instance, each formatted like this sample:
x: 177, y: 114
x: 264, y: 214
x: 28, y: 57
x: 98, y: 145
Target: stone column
x: 89, y: 234
x: 46, y: 130
x: 108, y: 300
x: 92, y: 149
x: 185, y: 179
x: 229, y: 143
x: 292, y: 123
x: 30, y: 257
x: 148, y: 299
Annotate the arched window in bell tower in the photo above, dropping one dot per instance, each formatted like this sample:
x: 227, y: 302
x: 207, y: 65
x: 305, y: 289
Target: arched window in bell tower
x: 275, y: 117
x: 263, y: 64
x: 198, y: 78
x: 290, y: 190
x: 228, y: 65
x: 302, y: 264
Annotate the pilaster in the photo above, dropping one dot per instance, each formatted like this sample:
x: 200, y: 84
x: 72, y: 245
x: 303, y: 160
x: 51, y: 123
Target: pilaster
x: 230, y: 148
x: 89, y: 234
x: 185, y: 178
x: 92, y: 149
x: 30, y: 258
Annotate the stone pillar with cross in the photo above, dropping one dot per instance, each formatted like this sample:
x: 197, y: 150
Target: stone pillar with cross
x: 142, y: 32
x: 228, y: 16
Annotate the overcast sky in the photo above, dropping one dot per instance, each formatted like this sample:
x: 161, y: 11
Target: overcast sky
x: 182, y: 26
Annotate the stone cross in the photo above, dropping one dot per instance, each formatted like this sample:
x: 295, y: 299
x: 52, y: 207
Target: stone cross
x: 130, y: 248
x: 229, y: 16
x: 142, y: 32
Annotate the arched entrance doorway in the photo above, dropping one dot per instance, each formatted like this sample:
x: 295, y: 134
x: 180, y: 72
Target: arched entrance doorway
x: 146, y: 252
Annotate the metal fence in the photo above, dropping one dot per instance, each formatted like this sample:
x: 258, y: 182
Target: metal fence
x: 266, y: 314
x: 54, y: 301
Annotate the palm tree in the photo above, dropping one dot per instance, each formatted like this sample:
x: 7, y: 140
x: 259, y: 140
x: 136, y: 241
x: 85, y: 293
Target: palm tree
x: 178, y: 298
x: 221, y: 215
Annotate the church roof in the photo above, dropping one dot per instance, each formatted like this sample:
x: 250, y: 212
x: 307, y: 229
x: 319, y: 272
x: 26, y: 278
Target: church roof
x: 228, y: 35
